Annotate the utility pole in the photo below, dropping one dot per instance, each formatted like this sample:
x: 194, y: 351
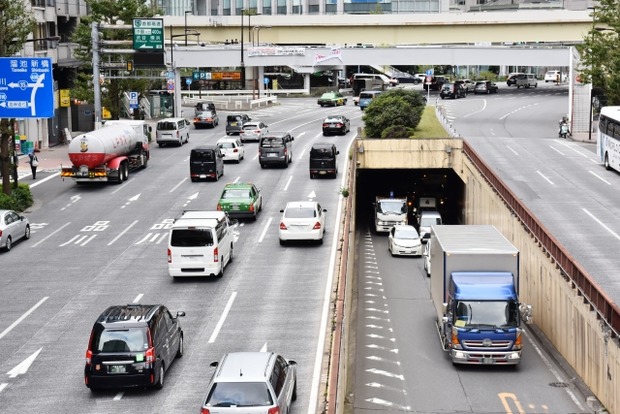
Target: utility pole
x: 96, y: 73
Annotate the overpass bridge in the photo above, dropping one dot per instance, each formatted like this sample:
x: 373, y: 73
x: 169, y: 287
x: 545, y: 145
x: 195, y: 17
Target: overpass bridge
x: 565, y: 27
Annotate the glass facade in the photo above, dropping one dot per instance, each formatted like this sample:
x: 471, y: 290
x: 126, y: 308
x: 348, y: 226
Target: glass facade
x: 286, y: 7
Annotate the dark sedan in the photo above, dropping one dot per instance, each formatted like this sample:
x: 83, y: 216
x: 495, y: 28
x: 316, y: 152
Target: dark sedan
x: 485, y: 87
x: 206, y: 119
x: 336, y: 124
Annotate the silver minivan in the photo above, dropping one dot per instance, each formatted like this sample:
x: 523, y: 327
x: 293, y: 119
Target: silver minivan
x: 251, y: 383
x: 172, y: 131
x: 526, y: 80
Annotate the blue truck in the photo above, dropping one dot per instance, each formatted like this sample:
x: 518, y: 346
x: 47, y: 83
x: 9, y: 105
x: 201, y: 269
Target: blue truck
x: 475, y: 291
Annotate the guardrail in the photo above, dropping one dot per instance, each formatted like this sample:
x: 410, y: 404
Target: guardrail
x: 236, y: 102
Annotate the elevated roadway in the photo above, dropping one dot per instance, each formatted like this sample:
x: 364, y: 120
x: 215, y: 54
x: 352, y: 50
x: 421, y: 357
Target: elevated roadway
x: 531, y: 26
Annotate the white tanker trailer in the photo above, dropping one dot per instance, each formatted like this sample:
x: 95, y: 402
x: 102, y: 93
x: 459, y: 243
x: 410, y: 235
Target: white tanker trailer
x: 109, y: 153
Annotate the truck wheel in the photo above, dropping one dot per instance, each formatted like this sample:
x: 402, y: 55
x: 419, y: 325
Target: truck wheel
x: 145, y: 159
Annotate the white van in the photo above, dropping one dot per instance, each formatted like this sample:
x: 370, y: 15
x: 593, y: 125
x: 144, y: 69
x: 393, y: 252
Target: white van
x: 172, y: 131
x: 426, y: 220
x: 201, y: 243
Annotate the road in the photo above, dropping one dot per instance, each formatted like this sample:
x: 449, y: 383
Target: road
x: 399, y: 364
x: 94, y: 246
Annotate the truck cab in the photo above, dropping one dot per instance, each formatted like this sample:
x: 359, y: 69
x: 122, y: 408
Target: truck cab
x: 389, y: 212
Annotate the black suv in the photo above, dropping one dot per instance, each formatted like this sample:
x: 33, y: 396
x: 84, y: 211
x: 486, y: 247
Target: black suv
x: 436, y: 83
x: 452, y: 90
x: 235, y: 122
x: 132, y: 346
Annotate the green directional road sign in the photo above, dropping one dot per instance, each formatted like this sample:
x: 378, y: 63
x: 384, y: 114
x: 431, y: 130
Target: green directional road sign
x: 148, y: 34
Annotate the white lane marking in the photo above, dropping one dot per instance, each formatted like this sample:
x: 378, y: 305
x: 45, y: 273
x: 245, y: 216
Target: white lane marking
x: 599, y: 177
x: 118, y: 396
x: 548, y: 180
x: 318, y: 359
x: 22, y: 367
x: 288, y: 182
x: 383, y: 348
x: 385, y: 403
x: 122, y: 232
x: 120, y: 187
x: 385, y: 373
x: 613, y: 233
x: 264, y: 348
x: 177, y: 186
x: 137, y: 299
x: 24, y: 316
x: 484, y: 105
x: 50, y: 235
x: 556, y: 150
x: 216, y: 331
x: 511, y: 150
x: 301, y: 156
x: 264, y: 232
x: 43, y: 180
x: 376, y: 358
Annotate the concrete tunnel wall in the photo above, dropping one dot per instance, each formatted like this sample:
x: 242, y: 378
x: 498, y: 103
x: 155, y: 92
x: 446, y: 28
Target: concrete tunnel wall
x: 559, y: 312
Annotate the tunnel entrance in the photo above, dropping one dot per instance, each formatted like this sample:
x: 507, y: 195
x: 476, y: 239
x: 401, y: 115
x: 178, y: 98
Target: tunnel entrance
x: 443, y: 184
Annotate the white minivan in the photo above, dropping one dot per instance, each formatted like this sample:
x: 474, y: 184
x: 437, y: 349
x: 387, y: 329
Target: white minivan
x: 201, y: 243
x: 172, y: 131
x: 427, y: 219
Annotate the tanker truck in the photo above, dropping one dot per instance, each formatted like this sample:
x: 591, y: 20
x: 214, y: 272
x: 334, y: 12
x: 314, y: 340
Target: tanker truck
x: 474, y: 288
x: 110, y: 153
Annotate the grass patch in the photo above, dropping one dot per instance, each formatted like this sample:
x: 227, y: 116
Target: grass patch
x: 429, y: 126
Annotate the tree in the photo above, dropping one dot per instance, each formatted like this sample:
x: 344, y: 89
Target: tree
x: 109, y: 12
x: 16, y: 23
x: 394, y: 108
x: 600, y: 56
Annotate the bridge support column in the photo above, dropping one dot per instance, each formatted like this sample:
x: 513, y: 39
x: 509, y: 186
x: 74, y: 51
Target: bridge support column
x: 307, y: 83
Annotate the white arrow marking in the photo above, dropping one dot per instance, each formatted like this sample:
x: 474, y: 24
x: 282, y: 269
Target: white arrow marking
x: 3, y: 386
x: 385, y: 373
x: 311, y: 195
x: 193, y: 196
x: 23, y: 366
x: 264, y: 348
x: 134, y: 198
x: 385, y: 403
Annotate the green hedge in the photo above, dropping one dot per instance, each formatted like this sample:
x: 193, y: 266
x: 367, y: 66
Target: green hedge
x: 19, y: 200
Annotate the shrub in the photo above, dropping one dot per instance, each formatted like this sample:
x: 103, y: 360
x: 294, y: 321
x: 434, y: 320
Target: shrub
x: 19, y: 200
x: 397, y: 131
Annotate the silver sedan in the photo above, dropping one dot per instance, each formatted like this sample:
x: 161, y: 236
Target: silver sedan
x: 12, y: 228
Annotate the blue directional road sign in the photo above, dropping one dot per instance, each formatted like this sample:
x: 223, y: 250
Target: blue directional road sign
x: 26, y: 87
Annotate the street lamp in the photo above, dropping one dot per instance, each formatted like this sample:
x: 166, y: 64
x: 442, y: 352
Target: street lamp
x: 242, y: 62
x: 174, y: 69
x: 187, y: 11
x: 257, y: 36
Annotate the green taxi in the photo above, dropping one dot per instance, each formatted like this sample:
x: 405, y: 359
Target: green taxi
x: 241, y: 200
x: 332, y: 99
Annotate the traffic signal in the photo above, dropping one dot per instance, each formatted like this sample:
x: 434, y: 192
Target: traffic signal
x: 130, y: 65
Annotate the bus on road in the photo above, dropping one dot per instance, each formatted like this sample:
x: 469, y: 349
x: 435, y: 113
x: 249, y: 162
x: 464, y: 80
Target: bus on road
x: 608, y: 138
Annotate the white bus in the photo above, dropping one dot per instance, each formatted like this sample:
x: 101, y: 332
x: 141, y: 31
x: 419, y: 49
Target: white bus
x: 608, y: 138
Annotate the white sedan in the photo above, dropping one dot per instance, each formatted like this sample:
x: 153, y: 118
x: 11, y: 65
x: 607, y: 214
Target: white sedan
x: 404, y: 240
x: 12, y: 228
x: 302, y: 220
x: 232, y: 148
